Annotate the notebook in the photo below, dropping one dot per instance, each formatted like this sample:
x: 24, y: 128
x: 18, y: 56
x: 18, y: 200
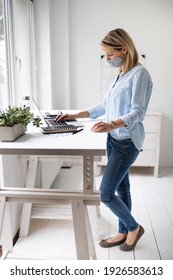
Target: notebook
x: 50, y: 126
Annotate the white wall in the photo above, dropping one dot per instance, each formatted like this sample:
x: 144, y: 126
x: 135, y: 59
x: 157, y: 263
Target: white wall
x: 76, y: 29
x: 60, y: 53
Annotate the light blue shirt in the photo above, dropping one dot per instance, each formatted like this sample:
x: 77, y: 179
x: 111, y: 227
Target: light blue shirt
x: 127, y: 99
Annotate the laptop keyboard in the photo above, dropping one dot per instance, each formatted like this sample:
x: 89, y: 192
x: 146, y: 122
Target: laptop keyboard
x: 54, y: 123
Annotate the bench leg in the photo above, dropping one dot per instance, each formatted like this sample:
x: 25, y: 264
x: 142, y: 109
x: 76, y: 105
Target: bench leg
x: 2, y: 209
x: 83, y: 235
x: 6, y: 236
x: 30, y: 183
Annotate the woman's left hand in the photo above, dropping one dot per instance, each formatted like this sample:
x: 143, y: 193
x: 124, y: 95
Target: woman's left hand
x: 102, y: 127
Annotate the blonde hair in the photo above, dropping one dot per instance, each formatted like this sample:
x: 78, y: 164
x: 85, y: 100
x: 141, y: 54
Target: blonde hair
x: 118, y: 39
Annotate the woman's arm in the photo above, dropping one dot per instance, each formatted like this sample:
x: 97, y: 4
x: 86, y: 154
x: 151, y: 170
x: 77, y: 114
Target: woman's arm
x: 141, y: 93
x: 70, y: 117
x: 107, y: 127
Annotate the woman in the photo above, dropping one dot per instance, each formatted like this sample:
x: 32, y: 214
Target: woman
x: 124, y: 107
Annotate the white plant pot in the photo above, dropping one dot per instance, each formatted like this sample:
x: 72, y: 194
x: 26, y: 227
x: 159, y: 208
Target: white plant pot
x: 11, y: 133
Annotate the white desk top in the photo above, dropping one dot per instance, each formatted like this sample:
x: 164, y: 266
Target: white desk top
x: 33, y: 142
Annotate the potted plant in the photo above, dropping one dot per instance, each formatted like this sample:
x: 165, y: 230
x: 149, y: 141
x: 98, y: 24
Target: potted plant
x: 14, y: 121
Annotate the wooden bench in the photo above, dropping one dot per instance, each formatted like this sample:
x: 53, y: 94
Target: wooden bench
x: 77, y: 200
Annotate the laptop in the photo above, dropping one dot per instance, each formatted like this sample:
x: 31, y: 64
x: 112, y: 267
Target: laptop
x: 50, y: 126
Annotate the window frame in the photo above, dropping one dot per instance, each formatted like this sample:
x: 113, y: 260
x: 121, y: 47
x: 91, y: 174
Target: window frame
x: 10, y: 50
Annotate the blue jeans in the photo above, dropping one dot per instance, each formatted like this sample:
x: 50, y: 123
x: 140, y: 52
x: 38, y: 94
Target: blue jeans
x: 115, y: 185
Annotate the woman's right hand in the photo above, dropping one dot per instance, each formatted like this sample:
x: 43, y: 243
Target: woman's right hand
x: 65, y: 117
x: 72, y: 117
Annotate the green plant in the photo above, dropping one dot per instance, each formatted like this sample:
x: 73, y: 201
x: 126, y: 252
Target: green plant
x: 16, y: 115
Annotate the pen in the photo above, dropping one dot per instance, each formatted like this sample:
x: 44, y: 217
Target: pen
x: 77, y: 131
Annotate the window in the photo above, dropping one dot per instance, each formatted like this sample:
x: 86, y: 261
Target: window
x: 17, y: 42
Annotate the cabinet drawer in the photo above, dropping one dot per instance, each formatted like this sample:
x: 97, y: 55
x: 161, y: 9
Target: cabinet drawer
x: 150, y: 141
x: 146, y: 158
x: 152, y: 123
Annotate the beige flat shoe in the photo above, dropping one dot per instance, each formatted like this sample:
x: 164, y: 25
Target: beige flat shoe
x: 104, y: 244
x: 125, y: 247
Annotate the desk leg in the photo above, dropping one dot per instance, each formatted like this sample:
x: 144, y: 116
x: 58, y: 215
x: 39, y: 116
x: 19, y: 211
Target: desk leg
x: 82, y: 229
x: 89, y: 187
x: 92, y: 211
x: 30, y: 183
x: 88, y: 174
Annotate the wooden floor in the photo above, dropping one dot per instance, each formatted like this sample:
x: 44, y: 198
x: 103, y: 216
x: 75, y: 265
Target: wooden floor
x: 152, y: 208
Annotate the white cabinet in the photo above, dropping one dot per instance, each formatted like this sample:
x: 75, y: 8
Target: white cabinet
x: 151, y: 148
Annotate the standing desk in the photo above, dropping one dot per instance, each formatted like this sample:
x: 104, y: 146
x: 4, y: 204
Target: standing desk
x: 34, y: 144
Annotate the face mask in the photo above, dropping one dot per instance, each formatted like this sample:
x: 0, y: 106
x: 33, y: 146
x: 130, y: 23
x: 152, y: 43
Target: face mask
x: 116, y: 62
